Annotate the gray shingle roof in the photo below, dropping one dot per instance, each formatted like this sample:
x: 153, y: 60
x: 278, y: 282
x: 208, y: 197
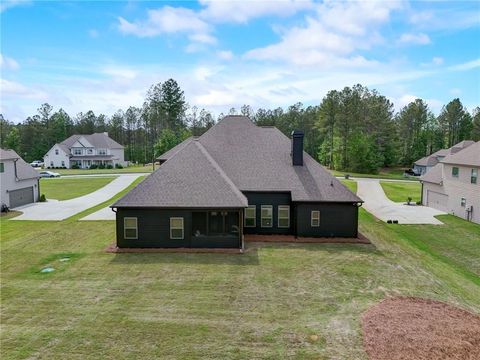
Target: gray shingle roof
x: 434, y: 175
x: 433, y: 159
x: 24, y: 170
x: 469, y: 156
x: 98, y: 140
x: 233, y: 156
x: 167, y: 155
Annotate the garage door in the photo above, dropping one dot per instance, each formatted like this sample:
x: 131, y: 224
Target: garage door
x: 21, y: 197
x: 437, y: 200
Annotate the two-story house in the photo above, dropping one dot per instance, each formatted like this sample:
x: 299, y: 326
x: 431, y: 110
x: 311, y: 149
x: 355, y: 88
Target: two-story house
x: 85, y: 151
x: 453, y: 185
x: 19, y: 182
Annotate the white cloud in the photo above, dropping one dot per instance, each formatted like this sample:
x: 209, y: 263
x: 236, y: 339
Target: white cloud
x: 12, y: 89
x: 466, y: 66
x: 93, y: 33
x: 228, y: 11
x: 417, y: 39
x: 455, y: 91
x: 433, y: 104
x: 8, y: 63
x: 7, y: 4
x: 225, y: 55
x: 437, y: 60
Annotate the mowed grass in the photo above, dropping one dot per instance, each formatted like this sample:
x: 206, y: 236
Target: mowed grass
x: 384, y: 173
x: 351, y: 184
x: 275, y: 301
x: 69, y: 188
x: 401, y: 191
x: 129, y: 169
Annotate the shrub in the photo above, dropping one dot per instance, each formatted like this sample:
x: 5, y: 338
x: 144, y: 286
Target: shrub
x: 118, y: 166
x: 109, y: 166
x: 93, y: 166
x: 42, y: 198
x: 75, y: 166
x: 101, y: 166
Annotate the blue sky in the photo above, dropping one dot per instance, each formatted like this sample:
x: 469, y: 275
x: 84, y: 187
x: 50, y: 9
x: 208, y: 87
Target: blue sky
x: 104, y: 55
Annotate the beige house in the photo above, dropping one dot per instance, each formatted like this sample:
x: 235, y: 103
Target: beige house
x: 453, y: 185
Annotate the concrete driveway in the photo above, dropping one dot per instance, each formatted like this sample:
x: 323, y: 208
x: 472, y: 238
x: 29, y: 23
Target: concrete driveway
x: 60, y: 210
x: 377, y: 203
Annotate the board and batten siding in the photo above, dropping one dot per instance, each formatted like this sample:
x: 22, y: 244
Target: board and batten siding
x: 271, y: 198
x: 336, y: 220
x: 154, y: 230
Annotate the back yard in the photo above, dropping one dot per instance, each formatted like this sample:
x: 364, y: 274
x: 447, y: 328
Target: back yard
x: 275, y: 301
x: 70, y: 187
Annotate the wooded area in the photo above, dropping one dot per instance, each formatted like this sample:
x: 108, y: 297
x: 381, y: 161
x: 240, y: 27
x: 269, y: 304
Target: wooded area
x: 355, y: 129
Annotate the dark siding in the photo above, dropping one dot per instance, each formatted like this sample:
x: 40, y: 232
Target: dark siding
x: 154, y: 230
x: 274, y: 199
x: 339, y: 220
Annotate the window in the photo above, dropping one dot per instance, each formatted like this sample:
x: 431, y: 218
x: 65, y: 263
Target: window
x: 51, y: 163
x: 176, y: 228
x: 315, y: 218
x: 56, y: 151
x: 283, y: 216
x: 463, y: 202
x: 455, y: 171
x: 77, y: 151
x: 63, y: 163
x: 130, y: 230
x: 2, y: 167
x: 267, y: 214
x: 251, y: 216
x: 90, y: 151
x: 474, y: 175
x: 102, y: 152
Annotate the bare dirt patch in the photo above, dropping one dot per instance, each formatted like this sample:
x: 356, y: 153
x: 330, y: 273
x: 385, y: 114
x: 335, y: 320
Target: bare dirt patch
x: 413, y: 328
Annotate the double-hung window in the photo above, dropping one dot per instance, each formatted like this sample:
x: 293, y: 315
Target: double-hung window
x: 267, y: 216
x: 250, y: 216
x: 283, y: 216
x: 463, y: 202
x: 455, y: 171
x: 130, y: 228
x: 176, y: 228
x: 474, y: 176
x: 315, y: 218
x: 2, y: 167
x: 56, y: 151
x: 77, y: 151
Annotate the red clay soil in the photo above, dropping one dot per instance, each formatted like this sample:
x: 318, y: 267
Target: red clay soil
x: 412, y: 328
x: 361, y: 239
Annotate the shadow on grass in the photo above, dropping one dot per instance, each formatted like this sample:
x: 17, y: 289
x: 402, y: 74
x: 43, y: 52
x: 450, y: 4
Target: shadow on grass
x: 328, y: 247
x: 249, y: 258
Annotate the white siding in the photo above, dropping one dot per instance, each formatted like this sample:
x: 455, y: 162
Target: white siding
x: 51, y: 159
x: 9, y: 183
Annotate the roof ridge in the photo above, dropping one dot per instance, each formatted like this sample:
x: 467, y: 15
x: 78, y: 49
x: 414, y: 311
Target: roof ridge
x: 218, y: 168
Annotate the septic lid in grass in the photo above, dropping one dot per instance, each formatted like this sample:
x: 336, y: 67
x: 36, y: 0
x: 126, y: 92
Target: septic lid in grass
x: 64, y: 259
x: 47, y: 270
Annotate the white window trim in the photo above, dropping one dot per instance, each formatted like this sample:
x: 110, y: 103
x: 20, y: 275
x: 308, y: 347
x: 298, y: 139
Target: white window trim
x: 283, y: 207
x: 474, y: 171
x: 458, y: 171
x: 129, y: 228
x: 261, y: 215
x: 177, y: 228
x: 315, y: 218
x: 254, y: 207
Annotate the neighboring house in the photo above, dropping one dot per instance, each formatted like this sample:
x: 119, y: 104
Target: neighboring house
x: 453, y: 185
x: 84, y: 151
x: 420, y: 167
x: 19, y: 181
x: 235, y: 179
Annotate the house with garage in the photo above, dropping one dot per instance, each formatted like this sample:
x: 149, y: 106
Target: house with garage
x: 19, y: 182
x: 83, y: 151
x: 420, y: 167
x: 235, y: 179
x: 453, y: 185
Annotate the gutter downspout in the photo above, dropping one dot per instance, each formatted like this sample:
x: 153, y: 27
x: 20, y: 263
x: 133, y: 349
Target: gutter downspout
x: 421, y: 194
x: 15, y: 167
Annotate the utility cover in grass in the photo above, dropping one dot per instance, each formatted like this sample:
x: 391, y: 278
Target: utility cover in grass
x: 47, y: 270
x: 65, y: 259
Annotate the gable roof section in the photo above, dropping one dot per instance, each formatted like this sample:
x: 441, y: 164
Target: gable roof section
x: 189, y: 179
x: 429, y: 160
x: 434, y: 175
x: 433, y: 159
x: 98, y: 140
x: 168, y: 154
x: 469, y: 156
x: 24, y: 170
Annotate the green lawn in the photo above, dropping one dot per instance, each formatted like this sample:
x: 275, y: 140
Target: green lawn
x: 385, y: 173
x: 129, y: 169
x: 266, y: 303
x: 351, y: 184
x: 400, y: 191
x: 69, y: 188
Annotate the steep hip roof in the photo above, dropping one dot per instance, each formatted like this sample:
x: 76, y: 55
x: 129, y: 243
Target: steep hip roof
x: 469, y: 156
x: 434, y: 175
x: 24, y: 171
x: 234, y: 156
x: 98, y: 140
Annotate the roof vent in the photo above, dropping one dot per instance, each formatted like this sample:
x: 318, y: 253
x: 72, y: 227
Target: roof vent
x: 297, y: 148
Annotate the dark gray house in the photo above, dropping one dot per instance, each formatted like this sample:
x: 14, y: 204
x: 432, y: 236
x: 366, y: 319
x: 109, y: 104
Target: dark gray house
x: 235, y: 179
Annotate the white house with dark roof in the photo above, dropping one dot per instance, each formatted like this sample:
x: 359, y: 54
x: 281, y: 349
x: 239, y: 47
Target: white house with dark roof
x: 453, y: 185
x: 19, y: 182
x: 85, y: 151
x: 237, y: 178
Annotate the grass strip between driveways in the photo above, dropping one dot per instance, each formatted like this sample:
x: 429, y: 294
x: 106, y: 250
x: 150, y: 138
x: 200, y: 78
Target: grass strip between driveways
x: 401, y: 191
x: 69, y: 188
x: 125, y: 170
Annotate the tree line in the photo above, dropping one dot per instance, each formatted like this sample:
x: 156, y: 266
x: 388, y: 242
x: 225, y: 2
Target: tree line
x: 354, y: 129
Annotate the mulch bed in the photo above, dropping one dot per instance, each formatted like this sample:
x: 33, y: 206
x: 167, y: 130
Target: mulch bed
x: 112, y: 248
x: 412, y: 328
x: 360, y: 239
